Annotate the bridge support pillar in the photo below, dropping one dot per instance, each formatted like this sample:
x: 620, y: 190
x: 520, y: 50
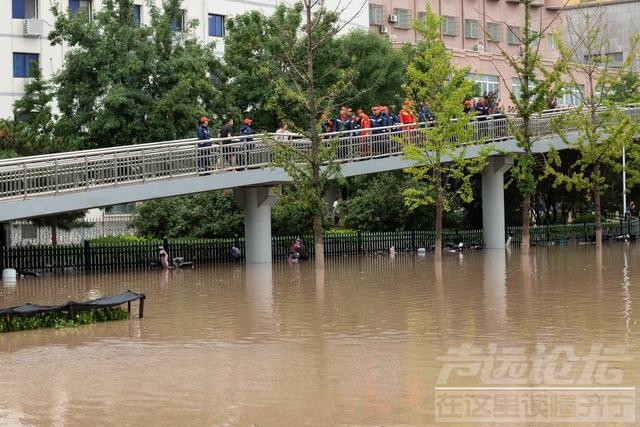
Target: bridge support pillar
x: 257, y: 203
x: 493, y: 223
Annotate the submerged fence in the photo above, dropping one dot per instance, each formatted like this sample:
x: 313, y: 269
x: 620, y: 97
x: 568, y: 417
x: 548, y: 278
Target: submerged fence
x: 88, y: 256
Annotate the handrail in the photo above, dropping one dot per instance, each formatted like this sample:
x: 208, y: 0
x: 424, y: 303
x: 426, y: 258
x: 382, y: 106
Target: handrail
x: 25, y: 177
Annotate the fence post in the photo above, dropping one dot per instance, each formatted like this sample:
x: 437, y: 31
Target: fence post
x: 586, y: 238
x: 87, y: 256
x: 413, y: 240
x: 359, y: 236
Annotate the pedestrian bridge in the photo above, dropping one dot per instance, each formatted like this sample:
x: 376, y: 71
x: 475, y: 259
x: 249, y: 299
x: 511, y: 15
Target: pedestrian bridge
x: 49, y: 184
x: 56, y: 183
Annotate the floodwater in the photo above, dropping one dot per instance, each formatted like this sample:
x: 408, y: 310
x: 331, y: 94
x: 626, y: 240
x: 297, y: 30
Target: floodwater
x: 360, y: 343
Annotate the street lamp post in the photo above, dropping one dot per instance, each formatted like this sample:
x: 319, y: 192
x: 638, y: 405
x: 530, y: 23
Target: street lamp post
x: 624, y: 181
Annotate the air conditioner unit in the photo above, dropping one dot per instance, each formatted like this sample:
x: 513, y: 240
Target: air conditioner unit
x: 478, y: 47
x: 383, y: 29
x: 393, y: 19
x: 32, y: 27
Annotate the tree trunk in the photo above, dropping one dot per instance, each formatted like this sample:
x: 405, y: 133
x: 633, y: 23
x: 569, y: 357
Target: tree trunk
x: 318, y: 240
x: 54, y: 235
x: 526, y: 219
x: 596, y: 205
x: 437, y: 252
x: 315, y: 139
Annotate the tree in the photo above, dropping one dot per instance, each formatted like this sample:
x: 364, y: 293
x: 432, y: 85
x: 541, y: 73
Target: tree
x: 121, y: 84
x: 311, y: 88
x: 377, y: 68
x: 601, y: 128
x: 431, y: 77
x: 202, y: 215
x: 538, y: 86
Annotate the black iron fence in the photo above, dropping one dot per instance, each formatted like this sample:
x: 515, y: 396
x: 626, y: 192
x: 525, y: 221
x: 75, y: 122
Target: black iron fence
x: 88, y: 256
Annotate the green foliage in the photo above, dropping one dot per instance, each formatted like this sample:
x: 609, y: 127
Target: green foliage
x: 432, y: 78
x: 122, y: 84
x: 378, y: 70
x: 61, y: 319
x: 203, y: 215
x: 291, y: 215
x: 600, y: 128
x: 123, y: 238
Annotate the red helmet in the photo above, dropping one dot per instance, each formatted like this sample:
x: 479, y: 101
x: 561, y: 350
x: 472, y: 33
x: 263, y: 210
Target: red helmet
x: 204, y: 120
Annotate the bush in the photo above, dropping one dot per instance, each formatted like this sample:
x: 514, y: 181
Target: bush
x: 61, y: 319
x: 124, y: 238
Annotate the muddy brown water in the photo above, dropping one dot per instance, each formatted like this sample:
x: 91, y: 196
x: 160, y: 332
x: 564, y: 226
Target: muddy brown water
x: 287, y: 345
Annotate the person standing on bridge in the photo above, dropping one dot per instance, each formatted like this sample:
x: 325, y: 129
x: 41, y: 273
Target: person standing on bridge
x: 226, y: 132
x: 204, y: 150
x: 365, y: 132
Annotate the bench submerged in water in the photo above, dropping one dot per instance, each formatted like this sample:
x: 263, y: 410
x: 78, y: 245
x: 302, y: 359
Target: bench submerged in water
x: 74, y: 307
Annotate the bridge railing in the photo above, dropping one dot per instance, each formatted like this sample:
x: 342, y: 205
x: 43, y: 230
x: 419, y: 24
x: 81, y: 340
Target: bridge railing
x: 107, y: 167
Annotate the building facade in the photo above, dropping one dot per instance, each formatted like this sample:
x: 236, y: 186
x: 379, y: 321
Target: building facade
x: 476, y: 32
x: 618, y: 20
x: 25, y: 25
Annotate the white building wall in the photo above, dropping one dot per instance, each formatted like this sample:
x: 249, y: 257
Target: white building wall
x: 12, y: 38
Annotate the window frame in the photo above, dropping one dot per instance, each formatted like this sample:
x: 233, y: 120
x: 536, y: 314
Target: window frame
x: 404, y: 18
x: 471, y: 29
x: 494, y: 31
x: 76, y: 5
x: 485, y: 81
x: 211, y: 25
x: 376, y: 14
x: 137, y: 15
x: 514, y: 37
x: 19, y: 9
x: 22, y: 68
x: 447, y: 22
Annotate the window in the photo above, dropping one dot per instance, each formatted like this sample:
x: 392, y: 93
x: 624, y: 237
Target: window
x: 421, y: 16
x: 470, y: 29
x: 570, y: 97
x: 516, y: 87
x: 137, y: 15
x: 76, y: 6
x: 486, y: 83
x: 178, y: 23
x: 404, y: 18
x: 216, y: 25
x: 376, y: 14
x: 22, y: 63
x: 613, y: 59
x: 494, y: 30
x: 551, y: 41
x: 514, y: 35
x: 25, y: 9
x: 449, y: 26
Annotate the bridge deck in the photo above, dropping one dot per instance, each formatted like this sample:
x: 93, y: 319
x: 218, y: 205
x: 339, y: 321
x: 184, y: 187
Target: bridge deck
x: 47, y: 184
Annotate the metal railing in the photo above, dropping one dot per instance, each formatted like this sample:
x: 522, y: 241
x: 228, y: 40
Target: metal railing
x: 108, y: 167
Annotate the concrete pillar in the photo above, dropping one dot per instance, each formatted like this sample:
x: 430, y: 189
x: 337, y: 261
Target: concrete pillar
x: 257, y: 203
x: 493, y: 223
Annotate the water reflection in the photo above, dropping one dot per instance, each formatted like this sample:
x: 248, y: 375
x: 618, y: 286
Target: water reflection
x: 494, y: 285
x: 289, y: 345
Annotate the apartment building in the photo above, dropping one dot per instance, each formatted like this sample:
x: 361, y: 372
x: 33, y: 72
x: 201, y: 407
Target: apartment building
x: 617, y: 19
x: 477, y: 32
x: 25, y: 25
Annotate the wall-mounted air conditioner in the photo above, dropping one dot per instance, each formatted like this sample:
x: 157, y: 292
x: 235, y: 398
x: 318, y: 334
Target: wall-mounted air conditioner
x: 32, y: 27
x: 393, y: 19
x: 383, y: 29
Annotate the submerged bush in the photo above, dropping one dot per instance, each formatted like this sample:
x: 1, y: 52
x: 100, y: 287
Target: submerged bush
x: 61, y: 319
